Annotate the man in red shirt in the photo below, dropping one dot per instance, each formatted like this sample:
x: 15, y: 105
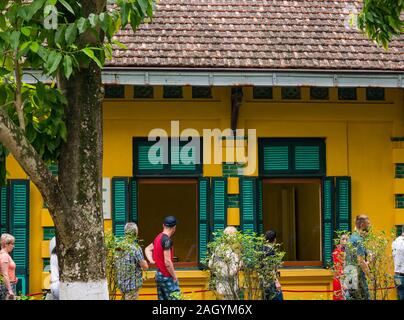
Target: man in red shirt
x: 161, y: 253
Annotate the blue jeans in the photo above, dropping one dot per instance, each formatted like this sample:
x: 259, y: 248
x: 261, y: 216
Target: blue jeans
x: 166, y: 286
x: 399, y: 282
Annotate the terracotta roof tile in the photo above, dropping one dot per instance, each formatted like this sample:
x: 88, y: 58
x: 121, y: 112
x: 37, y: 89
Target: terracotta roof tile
x: 308, y: 34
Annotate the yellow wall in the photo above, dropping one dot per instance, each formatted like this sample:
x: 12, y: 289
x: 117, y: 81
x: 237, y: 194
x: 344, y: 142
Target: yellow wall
x: 358, y: 144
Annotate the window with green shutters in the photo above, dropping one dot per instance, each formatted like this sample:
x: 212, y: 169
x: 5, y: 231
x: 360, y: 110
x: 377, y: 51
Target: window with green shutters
x: 19, y: 228
x: 120, y: 204
x: 248, y: 204
x: 204, y: 230
x: 287, y: 157
x: 219, y: 204
x: 181, y: 159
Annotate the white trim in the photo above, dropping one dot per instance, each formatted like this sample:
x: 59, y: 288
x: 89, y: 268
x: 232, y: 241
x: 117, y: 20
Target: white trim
x: 231, y: 78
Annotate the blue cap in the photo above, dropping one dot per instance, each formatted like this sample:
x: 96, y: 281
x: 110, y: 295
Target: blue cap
x: 170, y: 221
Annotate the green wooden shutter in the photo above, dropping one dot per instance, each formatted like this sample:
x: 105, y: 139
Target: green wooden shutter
x: 276, y: 158
x: 19, y: 228
x: 328, y: 218
x: 260, y: 215
x: 133, y: 201
x: 203, y: 219
x: 307, y: 158
x: 145, y: 163
x: 176, y: 162
x: 3, y: 210
x: 219, y: 204
x: 120, y: 204
x: 343, y: 203
x: 248, y: 204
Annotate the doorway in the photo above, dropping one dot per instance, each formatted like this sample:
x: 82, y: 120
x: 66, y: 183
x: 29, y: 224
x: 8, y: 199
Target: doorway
x: 292, y: 207
x: 158, y: 198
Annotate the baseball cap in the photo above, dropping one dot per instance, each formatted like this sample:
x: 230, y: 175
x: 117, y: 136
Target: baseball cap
x: 170, y: 221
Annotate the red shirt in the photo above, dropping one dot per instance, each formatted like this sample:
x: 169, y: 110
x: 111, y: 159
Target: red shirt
x: 338, y: 259
x: 162, y: 242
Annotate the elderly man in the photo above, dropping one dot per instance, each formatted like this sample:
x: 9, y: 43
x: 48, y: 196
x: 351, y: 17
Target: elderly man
x: 130, y: 264
x: 398, y: 256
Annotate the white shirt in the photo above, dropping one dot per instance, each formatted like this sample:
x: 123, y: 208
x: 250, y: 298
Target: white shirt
x: 54, y: 268
x: 398, y: 254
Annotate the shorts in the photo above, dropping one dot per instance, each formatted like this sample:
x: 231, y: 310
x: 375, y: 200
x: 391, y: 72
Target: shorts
x: 166, y: 286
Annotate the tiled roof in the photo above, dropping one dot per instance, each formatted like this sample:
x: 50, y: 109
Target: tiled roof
x: 254, y: 34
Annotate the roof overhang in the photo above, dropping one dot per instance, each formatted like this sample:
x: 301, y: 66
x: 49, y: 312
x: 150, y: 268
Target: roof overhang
x: 244, y: 78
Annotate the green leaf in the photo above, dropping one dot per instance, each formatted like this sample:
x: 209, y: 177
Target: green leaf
x: 93, y: 20
x: 41, y: 91
x: 33, y: 8
x: 3, y: 24
x: 125, y: 14
x: 82, y: 25
x: 120, y: 44
x: 71, y: 34
x: 67, y: 66
x: 90, y: 53
x: 26, y: 31
x: 34, y: 47
x: 53, y: 62
x: 60, y: 34
x: 67, y: 6
x: 144, y: 4
x: 43, y: 53
x: 14, y: 39
x: 105, y: 21
x: 23, y: 49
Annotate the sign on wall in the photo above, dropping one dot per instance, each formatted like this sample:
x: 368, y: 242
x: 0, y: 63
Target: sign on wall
x: 106, y: 198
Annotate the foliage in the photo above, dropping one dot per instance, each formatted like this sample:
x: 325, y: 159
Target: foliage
x: 3, y: 171
x: 117, y: 249
x: 241, y: 266
x: 380, y: 20
x: 379, y: 261
x: 56, y: 37
x: 178, y: 296
x: 23, y: 297
x: 378, y: 245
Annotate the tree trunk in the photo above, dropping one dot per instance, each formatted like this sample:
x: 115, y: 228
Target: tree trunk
x: 82, y: 253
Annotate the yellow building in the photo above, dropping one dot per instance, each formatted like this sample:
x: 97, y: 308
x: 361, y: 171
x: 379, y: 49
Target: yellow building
x: 328, y: 118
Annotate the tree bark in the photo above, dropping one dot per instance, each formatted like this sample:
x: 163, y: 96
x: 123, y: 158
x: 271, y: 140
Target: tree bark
x: 82, y: 255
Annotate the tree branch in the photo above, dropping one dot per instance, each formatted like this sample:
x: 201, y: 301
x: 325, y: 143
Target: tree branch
x: 18, y: 92
x: 13, y: 138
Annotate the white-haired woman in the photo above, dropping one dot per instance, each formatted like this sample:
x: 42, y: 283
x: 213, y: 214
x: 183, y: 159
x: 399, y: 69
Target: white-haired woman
x: 7, y: 267
x: 225, y: 265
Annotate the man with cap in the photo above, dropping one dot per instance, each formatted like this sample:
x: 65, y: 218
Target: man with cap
x: 161, y: 253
